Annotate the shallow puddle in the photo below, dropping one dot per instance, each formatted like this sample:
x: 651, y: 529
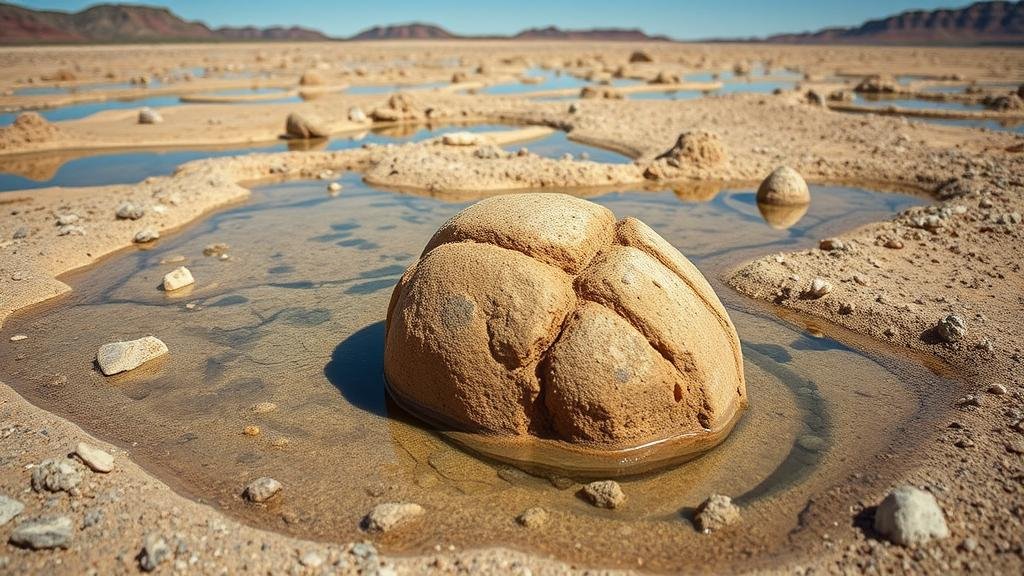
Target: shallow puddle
x: 294, y: 317
x: 72, y: 168
x: 77, y: 111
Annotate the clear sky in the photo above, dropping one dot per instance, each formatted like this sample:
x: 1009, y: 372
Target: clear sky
x: 681, y: 19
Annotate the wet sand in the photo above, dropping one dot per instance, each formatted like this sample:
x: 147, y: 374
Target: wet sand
x: 967, y: 265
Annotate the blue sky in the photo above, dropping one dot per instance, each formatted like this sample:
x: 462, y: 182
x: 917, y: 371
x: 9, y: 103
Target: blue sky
x: 682, y: 19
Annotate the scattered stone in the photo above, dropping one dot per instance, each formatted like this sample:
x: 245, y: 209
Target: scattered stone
x: 251, y: 430
x: 391, y: 515
x: 830, y: 244
x: 311, y: 78
x: 42, y: 533
x: 150, y: 116
x: 847, y: 308
x: 18, y: 338
x: 118, y: 357
x: 461, y: 139
x: 819, y: 287
x: 604, y: 494
x: 356, y: 114
x: 532, y: 517
x: 334, y: 187
x: 311, y: 560
x: 20, y: 233
x: 57, y: 475
x: 129, y: 211
x: 96, y: 459
x: 145, y: 235
x: 155, y: 551
x: 951, y: 328
x: 215, y: 249
x: 894, y: 244
x: 640, y: 56
x: 783, y: 187
x: 262, y: 489
x: 178, y: 278
x: 305, y: 127
x: 71, y: 230
x: 67, y: 219
x: 909, y: 517
x: 876, y: 85
x: 997, y: 389
x: 9, y: 508
x: 716, y: 513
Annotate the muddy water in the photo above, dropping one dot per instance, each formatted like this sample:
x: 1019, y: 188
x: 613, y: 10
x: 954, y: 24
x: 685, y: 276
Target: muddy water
x: 294, y: 317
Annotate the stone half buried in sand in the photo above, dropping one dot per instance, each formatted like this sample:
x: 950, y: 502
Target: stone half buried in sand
x: 536, y: 329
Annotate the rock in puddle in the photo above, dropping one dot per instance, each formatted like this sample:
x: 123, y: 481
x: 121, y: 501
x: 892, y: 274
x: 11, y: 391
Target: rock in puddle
x: 178, y: 278
x: 42, y: 533
x: 716, y: 513
x: 155, y: 551
x: 909, y: 516
x: 57, y: 475
x: 390, y: 515
x: 117, y: 357
x: 604, y: 494
x: 262, y: 489
x: 96, y: 459
x: 9, y: 508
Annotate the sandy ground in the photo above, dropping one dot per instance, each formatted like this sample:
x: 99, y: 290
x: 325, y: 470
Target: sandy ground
x: 892, y: 281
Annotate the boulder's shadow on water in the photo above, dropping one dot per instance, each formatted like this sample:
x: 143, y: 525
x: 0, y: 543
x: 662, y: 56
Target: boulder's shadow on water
x: 356, y: 369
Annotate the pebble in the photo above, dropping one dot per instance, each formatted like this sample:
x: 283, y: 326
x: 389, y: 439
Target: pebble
x: 356, y: 114
x: 951, y: 328
x: 118, y: 357
x: 177, y: 279
x: 461, y: 139
x: 819, y: 287
x: 146, y: 235
x: 997, y: 389
x: 251, y: 430
x: 532, y: 517
x: 334, y: 187
x: 830, y: 244
x: 96, y: 459
x: 9, y: 508
x: 390, y: 515
x: 909, y: 517
x: 311, y: 560
x: 604, y: 494
x: 67, y: 219
x: 155, y: 551
x: 262, y: 489
x: 56, y: 475
x: 716, y: 513
x: 18, y: 338
x: 129, y: 211
x: 20, y: 233
x: 215, y: 249
x: 150, y: 116
x: 41, y: 533
x: 894, y: 244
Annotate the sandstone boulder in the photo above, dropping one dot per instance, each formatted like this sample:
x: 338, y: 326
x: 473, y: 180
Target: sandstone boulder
x: 539, y: 316
x: 123, y: 356
x: 303, y: 127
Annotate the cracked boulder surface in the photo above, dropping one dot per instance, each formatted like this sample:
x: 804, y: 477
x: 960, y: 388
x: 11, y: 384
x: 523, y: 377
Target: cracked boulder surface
x: 538, y: 315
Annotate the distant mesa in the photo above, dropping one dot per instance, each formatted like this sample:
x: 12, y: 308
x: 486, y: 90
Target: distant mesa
x: 606, y: 34
x: 413, y: 31
x: 977, y: 24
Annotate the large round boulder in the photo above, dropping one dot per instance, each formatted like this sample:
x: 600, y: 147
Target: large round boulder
x: 538, y: 316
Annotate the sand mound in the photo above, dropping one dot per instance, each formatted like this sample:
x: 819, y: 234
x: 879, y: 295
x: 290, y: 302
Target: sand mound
x: 540, y: 315
x: 28, y: 128
x: 695, y: 150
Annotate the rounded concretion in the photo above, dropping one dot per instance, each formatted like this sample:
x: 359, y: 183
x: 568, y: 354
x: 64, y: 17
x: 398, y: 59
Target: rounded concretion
x: 539, y: 318
x: 783, y: 187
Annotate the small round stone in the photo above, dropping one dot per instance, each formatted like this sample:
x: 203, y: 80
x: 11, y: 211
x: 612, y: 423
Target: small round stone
x: 784, y: 186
